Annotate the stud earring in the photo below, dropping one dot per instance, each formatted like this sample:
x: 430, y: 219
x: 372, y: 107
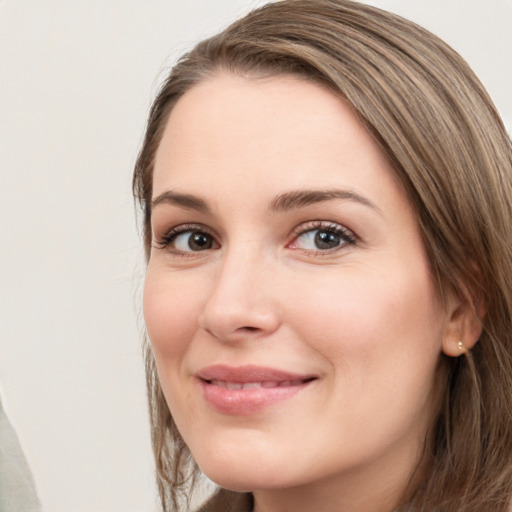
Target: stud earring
x: 461, y: 346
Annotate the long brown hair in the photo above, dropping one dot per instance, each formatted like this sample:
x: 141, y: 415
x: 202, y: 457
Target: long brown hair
x: 450, y: 151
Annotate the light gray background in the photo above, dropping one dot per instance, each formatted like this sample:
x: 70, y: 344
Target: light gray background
x: 76, y: 80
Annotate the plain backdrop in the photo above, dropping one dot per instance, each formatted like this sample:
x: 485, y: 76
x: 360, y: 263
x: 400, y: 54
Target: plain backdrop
x: 76, y: 81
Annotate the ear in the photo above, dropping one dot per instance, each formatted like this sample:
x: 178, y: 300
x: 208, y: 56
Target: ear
x: 463, y: 323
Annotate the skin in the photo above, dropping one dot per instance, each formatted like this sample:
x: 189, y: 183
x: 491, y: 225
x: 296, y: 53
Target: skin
x: 363, y: 317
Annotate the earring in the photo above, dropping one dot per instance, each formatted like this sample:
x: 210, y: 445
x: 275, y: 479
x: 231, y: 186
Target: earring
x: 461, y: 346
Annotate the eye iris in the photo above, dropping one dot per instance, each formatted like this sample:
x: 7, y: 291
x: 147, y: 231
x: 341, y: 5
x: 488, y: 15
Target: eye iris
x: 327, y: 240
x: 199, y: 241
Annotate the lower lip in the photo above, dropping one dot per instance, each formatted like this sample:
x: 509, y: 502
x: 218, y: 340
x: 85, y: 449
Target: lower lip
x: 247, y: 401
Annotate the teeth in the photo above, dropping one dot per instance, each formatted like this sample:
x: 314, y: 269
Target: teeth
x: 253, y: 385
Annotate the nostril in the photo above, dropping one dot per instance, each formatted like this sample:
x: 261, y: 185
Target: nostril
x: 249, y: 328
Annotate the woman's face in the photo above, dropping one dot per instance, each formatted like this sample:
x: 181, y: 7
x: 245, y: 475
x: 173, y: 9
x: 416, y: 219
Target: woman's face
x: 294, y: 322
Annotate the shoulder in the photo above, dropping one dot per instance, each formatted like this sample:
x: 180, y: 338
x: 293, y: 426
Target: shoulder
x: 228, y: 501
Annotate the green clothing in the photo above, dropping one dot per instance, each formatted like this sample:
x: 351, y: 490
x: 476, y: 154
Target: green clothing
x: 17, y: 489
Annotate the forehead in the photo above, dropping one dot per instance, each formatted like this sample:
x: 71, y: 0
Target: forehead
x: 277, y: 132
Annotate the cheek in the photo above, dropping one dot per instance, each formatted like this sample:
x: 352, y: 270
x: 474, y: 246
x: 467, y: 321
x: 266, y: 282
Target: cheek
x: 381, y: 338
x: 363, y: 319
x: 170, y: 316
x: 171, y: 319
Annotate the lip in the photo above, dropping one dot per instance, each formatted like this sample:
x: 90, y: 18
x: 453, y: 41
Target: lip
x: 244, y: 390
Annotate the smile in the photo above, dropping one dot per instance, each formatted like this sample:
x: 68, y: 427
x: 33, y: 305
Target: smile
x: 248, y: 389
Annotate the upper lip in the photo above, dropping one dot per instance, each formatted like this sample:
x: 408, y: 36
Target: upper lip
x: 249, y: 373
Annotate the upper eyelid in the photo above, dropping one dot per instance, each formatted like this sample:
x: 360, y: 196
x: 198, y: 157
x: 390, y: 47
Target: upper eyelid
x: 321, y: 224
x: 300, y: 228
x: 186, y: 226
x: 165, y: 237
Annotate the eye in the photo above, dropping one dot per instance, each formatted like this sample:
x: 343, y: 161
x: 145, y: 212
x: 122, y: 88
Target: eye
x: 187, y: 239
x: 193, y: 241
x: 321, y: 237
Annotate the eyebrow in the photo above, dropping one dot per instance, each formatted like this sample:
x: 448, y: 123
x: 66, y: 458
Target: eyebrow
x: 287, y: 201
x: 301, y: 198
x: 188, y: 201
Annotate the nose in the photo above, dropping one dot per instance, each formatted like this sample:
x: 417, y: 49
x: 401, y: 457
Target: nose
x: 242, y: 304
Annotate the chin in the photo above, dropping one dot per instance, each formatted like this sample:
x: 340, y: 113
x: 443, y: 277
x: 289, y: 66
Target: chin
x: 247, y: 474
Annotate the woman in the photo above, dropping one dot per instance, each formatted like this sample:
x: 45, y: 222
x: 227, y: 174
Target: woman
x: 326, y: 191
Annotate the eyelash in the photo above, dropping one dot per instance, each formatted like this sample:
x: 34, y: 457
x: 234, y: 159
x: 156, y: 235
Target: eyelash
x: 346, y: 237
